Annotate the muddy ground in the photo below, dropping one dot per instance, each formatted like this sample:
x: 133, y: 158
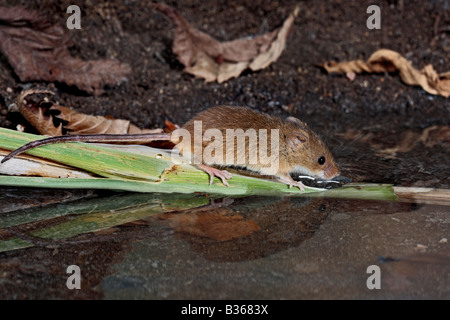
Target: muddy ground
x: 377, y: 105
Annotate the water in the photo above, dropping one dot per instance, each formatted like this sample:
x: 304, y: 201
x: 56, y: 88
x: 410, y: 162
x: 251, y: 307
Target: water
x: 141, y: 246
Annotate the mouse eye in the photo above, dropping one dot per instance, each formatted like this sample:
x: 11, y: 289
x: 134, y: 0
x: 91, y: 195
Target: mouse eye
x: 321, y: 160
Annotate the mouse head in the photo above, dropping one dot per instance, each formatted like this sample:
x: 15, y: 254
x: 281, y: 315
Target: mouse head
x: 308, y: 154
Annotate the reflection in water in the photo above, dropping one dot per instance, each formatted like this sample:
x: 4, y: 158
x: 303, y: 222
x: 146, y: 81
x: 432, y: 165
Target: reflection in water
x: 411, y: 271
x: 249, y: 229
x: 257, y: 227
x: 226, y: 230
x: 98, y: 231
x: 221, y: 229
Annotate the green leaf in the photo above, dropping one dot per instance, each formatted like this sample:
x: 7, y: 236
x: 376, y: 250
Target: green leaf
x: 144, y: 169
x: 97, y: 159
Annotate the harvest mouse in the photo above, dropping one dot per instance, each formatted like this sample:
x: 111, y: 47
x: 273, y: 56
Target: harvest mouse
x: 299, y: 149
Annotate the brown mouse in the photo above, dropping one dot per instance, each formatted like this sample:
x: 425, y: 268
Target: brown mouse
x: 297, y: 148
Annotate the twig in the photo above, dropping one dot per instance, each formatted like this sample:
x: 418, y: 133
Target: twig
x: 423, y: 195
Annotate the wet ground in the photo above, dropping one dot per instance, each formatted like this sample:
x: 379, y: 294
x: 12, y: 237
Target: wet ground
x: 379, y: 129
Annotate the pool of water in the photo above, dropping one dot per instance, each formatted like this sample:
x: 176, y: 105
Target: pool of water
x: 140, y: 246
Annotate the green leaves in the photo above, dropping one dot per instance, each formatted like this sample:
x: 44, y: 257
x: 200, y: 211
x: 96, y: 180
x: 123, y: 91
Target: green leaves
x: 144, y: 169
x: 103, y: 161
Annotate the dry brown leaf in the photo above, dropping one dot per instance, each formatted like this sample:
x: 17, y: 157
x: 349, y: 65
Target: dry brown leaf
x: 37, y: 50
x: 52, y: 119
x: 385, y: 60
x: 36, y: 114
x: 80, y: 123
x: 212, y: 60
x: 264, y: 59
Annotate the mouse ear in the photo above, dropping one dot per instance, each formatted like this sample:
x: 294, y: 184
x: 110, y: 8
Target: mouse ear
x: 295, y: 120
x: 296, y: 139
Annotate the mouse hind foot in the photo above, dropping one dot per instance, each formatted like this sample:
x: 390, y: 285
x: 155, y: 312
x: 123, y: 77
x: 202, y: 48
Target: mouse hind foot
x: 213, y: 172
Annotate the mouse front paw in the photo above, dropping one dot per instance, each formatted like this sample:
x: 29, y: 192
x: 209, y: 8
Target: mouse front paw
x: 287, y: 179
x: 298, y: 184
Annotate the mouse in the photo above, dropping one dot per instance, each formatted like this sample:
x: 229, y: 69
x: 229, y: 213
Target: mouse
x: 299, y: 150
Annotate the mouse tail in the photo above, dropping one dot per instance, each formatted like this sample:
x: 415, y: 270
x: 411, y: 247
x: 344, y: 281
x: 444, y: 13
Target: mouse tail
x: 94, y: 138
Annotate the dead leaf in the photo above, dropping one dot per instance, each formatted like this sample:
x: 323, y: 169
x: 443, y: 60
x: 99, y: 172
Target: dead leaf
x: 36, y: 113
x: 55, y: 120
x: 385, y: 60
x: 212, y: 60
x: 80, y: 123
x: 38, y: 51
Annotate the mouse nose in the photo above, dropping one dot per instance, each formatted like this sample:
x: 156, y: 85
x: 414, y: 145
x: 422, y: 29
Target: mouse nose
x: 331, y: 171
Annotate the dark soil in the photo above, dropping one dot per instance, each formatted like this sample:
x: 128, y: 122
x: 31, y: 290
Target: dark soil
x: 158, y: 89
x: 358, y: 119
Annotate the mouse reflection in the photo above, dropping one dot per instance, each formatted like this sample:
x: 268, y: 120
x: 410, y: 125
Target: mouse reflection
x: 249, y: 228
